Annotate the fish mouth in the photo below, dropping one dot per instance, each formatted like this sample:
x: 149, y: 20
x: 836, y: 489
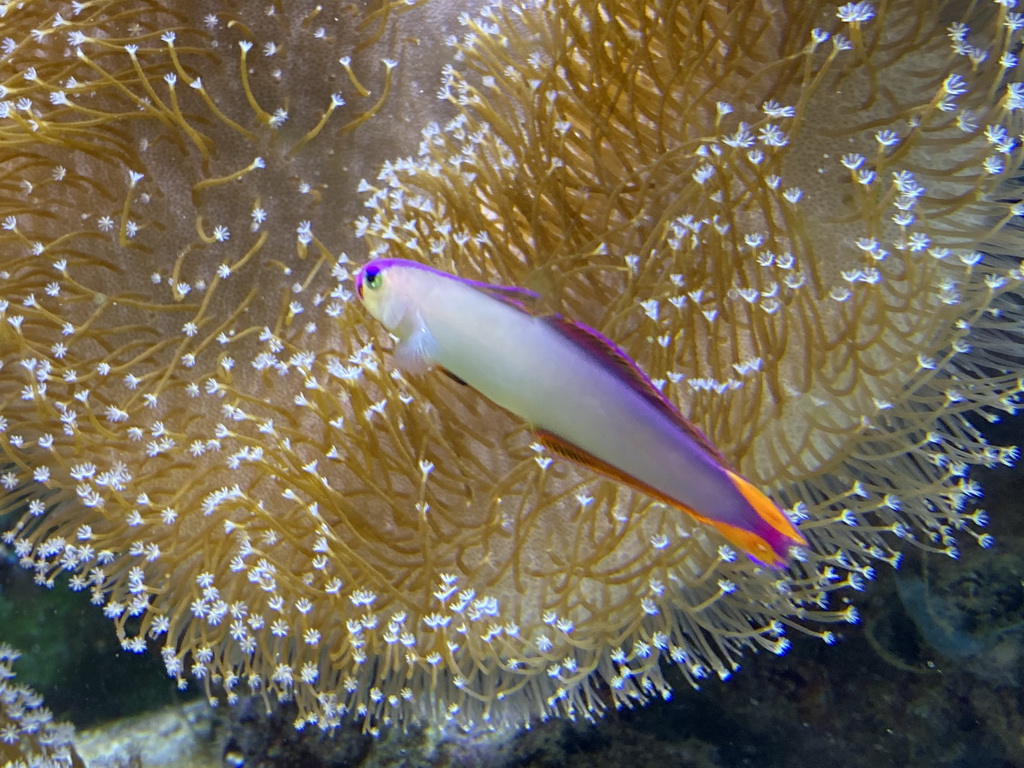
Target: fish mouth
x: 359, y: 283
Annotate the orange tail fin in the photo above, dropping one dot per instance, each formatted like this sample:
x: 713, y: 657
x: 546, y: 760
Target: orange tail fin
x: 772, y: 545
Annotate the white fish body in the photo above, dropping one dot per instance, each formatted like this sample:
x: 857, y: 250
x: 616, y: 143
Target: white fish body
x: 586, y: 399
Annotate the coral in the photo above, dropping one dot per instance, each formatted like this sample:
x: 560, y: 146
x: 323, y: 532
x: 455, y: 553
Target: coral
x: 792, y: 214
x: 29, y: 738
x: 74, y: 661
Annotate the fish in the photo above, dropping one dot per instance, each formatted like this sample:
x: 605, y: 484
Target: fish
x: 582, y: 396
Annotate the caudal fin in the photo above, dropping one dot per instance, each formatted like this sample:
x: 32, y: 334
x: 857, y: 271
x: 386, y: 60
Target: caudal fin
x: 768, y: 542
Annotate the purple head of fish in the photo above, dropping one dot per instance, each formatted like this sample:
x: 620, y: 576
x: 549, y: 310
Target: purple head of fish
x: 373, y: 268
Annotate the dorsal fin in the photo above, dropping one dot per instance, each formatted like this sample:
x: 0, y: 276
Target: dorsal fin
x: 626, y: 369
x: 521, y: 298
x: 602, y: 348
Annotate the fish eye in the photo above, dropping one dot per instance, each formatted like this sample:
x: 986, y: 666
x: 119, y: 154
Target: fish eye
x: 373, y: 278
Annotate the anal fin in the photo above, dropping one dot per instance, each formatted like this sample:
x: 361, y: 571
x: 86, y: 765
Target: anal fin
x: 571, y: 452
x: 770, y: 552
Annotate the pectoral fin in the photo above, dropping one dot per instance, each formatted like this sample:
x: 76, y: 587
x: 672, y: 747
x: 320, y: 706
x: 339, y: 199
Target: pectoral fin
x: 416, y: 352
